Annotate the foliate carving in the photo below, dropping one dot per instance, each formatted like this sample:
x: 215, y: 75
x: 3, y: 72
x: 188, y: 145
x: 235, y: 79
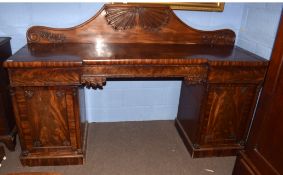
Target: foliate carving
x: 94, y: 82
x: 122, y: 18
x: 219, y: 39
x: 196, y: 76
x: 37, y: 143
x: 29, y: 93
x: 196, y: 146
x: 60, y: 94
x: 194, y: 80
x: 25, y: 153
x: 66, y: 143
x: 79, y: 151
x: 46, y: 35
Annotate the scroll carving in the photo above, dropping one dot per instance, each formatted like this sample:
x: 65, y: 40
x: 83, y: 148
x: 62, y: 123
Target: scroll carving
x: 94, y: 82
x: 140, y: 23
x: 151, y: 19
x: 36, y: 36
x: 221, y: 38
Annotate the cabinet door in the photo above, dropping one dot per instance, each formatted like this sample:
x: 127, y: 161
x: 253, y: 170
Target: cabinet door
x: 228, y: 113
x: 47, y: 118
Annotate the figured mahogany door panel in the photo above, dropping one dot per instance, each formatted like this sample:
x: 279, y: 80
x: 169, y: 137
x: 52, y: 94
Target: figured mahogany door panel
x: 228, y: 113
x: 46, y: 117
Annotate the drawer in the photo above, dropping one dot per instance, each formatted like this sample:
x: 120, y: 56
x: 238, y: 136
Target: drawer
x: 44, y: 77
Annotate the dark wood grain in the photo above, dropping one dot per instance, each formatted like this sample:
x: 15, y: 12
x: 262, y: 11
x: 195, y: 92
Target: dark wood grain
x: 217, y: 123
x: 77, y: 55
x: 263, y: 153
x: 45, y: 77
x: 49, y: 125
x: 7, y: 121
x: 219, y: 90
x: 144, y: 24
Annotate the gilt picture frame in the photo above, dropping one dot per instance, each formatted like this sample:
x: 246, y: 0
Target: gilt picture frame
x: 197, y: 6
x: 193, y: 6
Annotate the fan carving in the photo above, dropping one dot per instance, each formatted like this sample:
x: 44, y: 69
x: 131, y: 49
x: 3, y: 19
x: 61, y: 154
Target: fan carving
x: 123, y: 18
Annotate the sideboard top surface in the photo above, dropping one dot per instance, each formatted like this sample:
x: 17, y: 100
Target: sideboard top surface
x: 138, y: 53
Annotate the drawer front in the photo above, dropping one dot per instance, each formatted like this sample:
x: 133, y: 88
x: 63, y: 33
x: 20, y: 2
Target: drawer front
x: 234, y: 74
x: 44, y: 77
x: 117, y: 71
x: 46, y: 118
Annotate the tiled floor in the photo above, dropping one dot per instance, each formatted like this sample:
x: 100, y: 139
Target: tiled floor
x: 132, y: 148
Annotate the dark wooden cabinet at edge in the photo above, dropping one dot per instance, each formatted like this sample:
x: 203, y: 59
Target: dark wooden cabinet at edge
x: 263, y: 154
x: 7, y: 121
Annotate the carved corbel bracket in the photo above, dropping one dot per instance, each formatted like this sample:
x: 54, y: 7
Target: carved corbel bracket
x: 90, y: 81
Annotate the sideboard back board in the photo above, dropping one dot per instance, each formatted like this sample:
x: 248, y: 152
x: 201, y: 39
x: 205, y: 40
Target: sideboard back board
x: 220, y: 85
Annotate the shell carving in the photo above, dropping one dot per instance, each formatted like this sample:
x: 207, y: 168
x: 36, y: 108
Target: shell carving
x: 123, y: 18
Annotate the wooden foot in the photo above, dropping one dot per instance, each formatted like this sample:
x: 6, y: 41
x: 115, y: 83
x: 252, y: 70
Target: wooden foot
x: 198, y: 151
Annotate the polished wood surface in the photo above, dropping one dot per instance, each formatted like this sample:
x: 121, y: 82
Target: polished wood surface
x: 61, y: 55
x: 7, y: 121
x: 220, y: 81
x: 49, y: 124
x: 263, y: 153
x: 138, y: 23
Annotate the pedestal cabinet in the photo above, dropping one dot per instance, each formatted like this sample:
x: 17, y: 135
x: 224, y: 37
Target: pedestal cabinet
x: 7, y: 122
x: 50, y: 126
x: 214, y: 118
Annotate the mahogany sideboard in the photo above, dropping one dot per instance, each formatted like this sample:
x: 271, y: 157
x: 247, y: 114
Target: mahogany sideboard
x: 220, y: 85
x: 7, y: 119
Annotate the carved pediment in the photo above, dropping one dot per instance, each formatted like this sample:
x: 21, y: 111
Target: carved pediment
x: 132, y: 23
